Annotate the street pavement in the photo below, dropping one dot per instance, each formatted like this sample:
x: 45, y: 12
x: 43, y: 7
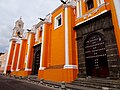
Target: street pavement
x: 12, y: 84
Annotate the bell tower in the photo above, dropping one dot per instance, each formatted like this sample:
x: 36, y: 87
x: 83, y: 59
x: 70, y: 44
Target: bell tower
x: 18, y: 29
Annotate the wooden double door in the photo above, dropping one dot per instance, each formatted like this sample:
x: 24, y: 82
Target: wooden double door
x: 95, y: 56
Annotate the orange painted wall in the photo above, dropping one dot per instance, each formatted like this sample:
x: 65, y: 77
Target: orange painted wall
x: 58, y: 41
x: 54, y: 49
x: 94, y: 11
x: 22, y: 54
x: 58, y: 75
x: 30, y: 53
x: 71, y: 33
x: 16, y: 56
x: 116, y: 26
x: 54, y: 43
x: 11, y: 54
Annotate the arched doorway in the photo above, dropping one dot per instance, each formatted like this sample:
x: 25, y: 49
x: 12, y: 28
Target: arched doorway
x: 36, y: 59
x: 95, y: 56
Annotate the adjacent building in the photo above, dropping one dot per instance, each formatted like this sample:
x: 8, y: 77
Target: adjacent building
x: 80, y: 38
x: 3, y: 59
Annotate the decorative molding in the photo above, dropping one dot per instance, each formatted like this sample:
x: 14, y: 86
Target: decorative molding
x: 71, y: 3
x: 42, y: 68
x: 18, y: 41
x: 70, y: 67
x: 93, y: 11
x: 92, y: 17
x: 27, y: 69
x: 17, y: 69
x: 48, y: 18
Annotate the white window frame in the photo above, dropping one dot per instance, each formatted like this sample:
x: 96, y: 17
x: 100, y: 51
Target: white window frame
x: 56, y: 21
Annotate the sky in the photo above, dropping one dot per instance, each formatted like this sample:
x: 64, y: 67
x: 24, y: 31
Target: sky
x: 30, y: 10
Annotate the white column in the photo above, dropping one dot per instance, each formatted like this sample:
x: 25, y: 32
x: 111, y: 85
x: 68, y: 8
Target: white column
x: 41, y: 58
x: 17, y: 69
x: 67, y: 65
x: 36, y: 36
x: 66, y: 38
x: 28, y: 51
x: 8, y: 57
x: 78, y: 8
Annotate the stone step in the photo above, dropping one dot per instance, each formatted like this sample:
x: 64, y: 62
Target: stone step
x: 32, y: 76
x: 103, y: 81
x: 87, y: 85
x: 97, y: 83
x: 100, y: 83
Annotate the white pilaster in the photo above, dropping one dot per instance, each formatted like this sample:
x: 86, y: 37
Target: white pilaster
x: 78, y: 8
x: 66, y: 38
x: 36, y: 36
x: 17, y: 68
x: 8, y: 57
x: 28, y: 51
x: 41, y: 58
x: 67, y: 65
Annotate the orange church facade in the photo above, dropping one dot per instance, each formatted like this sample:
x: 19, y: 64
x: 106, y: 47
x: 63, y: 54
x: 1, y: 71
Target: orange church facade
x: 78, y: 39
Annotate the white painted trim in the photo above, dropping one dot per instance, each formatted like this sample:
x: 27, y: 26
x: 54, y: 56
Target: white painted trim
x: 26, y: 69
x: 92, y: 17
x: 28, y: 51
x: 42, y: 68
x: 70, y: 67
x: 36, y: 36
x: 41, y: 56
x: 56, y: 21
x: 18, y: 41
x: 98, y: 3
x: 93, y: 11
x: 17, y: 69
x: 78, y: 8
x: 102, y: 1
x: 12, y: 70
x: 8, y: 57
x: 66, y: 38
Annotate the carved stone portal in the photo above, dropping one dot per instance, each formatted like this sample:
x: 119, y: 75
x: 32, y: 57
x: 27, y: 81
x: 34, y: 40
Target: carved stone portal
x: 97, y: 48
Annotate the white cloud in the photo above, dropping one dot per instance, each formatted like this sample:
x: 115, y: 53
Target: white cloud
x: 30, y: 10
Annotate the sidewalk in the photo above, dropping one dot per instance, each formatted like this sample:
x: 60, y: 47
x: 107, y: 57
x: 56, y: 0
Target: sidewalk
x: 51, y: 84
